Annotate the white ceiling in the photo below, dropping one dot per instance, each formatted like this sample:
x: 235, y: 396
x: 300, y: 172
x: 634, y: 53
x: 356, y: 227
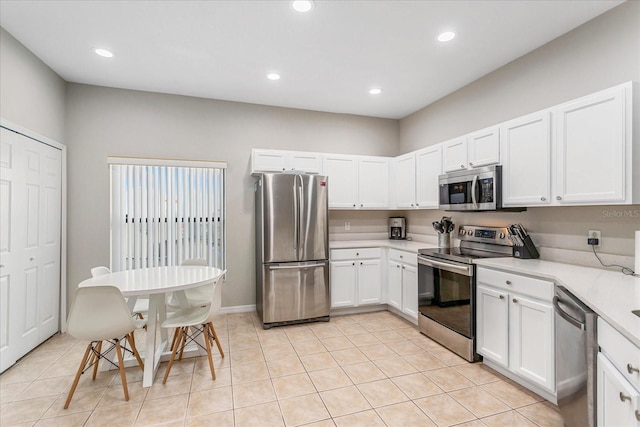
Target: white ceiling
x: 328, y: 58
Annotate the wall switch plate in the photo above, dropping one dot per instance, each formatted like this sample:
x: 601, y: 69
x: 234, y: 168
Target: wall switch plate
x: 594, y: 238
x: 347, y: 226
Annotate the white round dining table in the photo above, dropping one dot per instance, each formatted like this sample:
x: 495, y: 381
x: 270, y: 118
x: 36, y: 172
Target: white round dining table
x: 156, y: 282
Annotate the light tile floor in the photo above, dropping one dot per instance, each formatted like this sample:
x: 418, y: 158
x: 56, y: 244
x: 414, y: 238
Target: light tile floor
x: 371, y: 369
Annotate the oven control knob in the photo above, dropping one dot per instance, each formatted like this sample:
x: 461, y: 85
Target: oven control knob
x: 470, y: 232
x: 502, y: 235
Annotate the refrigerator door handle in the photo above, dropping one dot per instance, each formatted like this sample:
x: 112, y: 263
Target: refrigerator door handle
x: 300, y: 197
x: 296, y: 215
x: 295, y: 267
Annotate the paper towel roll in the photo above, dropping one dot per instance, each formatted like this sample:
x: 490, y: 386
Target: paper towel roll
x: 637, y: 269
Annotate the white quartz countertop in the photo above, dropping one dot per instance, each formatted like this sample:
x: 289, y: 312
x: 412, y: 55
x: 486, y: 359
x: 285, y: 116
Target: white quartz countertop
x: 403, y: 245
x: 611, y: 294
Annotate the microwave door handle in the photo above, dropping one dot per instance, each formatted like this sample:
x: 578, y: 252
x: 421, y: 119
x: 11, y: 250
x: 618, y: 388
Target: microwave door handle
x: 474, y: 187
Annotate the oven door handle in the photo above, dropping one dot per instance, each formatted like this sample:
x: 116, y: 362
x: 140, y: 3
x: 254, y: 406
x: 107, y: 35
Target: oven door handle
x: 453, y: 268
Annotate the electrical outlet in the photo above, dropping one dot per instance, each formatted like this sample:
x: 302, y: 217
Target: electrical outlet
x: 594, y: 238
x: 347, y: 226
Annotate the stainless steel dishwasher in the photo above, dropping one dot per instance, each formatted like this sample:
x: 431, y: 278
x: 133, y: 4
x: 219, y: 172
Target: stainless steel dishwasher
x: 576, y: 356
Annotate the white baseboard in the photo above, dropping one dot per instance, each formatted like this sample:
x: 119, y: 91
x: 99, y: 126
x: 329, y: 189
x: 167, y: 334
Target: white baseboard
x: 238, y: 309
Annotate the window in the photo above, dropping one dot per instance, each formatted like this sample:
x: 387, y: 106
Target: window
x: 163, y: 212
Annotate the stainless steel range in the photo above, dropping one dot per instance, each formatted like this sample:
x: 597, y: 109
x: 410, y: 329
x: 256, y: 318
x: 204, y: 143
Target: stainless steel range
x: 447, y: 287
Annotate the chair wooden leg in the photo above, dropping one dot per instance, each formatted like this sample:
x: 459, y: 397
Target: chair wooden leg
x: 176, y: 334
x: 207, y: 342
x: 183, y: 342
x: 77, y: 378
x: 132, y: 343
x: 215, y: 337
x: 174, y: 350
x: 96, y: 356
x: 123, y: 376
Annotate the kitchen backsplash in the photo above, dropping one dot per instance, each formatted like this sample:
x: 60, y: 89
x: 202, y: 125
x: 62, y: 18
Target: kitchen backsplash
x: 560, y: 233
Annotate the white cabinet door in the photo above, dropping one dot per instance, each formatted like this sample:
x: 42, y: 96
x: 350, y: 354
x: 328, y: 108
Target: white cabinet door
x: 526, y: 160
x: 343, y: 284
x: 373, y: 182
x: 30, y: 233
x: 484, y: 147
x: 404, y: 183
x: 531, y: 343
x: 618, y: 401
x: 492, y: 325
x: 369, y: 281
x: 590, y: 148
x: 268, y: 161
x: 410, y: 291
x: 306, y: 162
x: 428, y: 167
x: 343, y: 180
x: 454, y: 154
x: 394, y: 285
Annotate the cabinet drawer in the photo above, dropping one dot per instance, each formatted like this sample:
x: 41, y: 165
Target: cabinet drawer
x: 359, y: 253
x: 622, y: 352
x: 524, y: 285
x: 403, y: 256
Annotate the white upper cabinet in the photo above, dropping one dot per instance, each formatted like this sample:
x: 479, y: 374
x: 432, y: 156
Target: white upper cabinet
x: 428, y: 167
x: 454, y: 154
x: 280, y: 161
x: 404, y: 180
x: 373, y: 182
x: 484, y: 147
x: 526, y: 160
x: 357, y: 182
x: 593, y: 148
x: 342, y: 171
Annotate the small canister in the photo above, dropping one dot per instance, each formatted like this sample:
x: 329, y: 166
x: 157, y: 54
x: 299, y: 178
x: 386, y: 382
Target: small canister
x: 444, y: 240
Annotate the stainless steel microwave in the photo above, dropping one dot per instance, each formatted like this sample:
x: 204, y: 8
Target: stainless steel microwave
x: 478, y: 189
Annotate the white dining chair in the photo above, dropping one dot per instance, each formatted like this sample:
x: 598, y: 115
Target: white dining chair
x: 141, y: 306
x: 200, y: 319
x: 196, y: 297
x: 100, y: 313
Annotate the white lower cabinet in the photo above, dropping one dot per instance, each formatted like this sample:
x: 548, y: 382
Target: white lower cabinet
x: 402, y: 286
x: 515, y: 325
x: 618, y: 379
x: 356, y: 277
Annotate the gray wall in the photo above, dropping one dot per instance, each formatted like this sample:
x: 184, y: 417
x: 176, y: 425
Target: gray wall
x: 105, y: 122
x: 599, y: 54
x: 31, y: 94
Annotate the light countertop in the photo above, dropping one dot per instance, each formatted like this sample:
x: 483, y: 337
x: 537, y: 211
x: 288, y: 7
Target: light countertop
x: 402, y: 245
x: 611, y: 294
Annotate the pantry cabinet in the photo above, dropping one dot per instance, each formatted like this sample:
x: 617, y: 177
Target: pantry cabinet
x: 515, y: 325
x: 356, y: 277
x: 526, y: 166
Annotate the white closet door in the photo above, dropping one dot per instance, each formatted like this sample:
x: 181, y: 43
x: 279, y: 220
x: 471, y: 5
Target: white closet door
x: 30, y: 209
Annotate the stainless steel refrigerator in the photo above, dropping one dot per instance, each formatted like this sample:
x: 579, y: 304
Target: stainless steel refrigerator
x: 292, y: 248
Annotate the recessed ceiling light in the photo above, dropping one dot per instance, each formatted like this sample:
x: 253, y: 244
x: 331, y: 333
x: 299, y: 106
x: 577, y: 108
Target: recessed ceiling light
x: 302, y: 5
x: 375, y: 91
x: 103, y: 52
x: 446, y: 36
x: 273, y: 76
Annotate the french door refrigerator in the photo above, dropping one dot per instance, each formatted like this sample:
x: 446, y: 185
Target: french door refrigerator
x: 292, y: 248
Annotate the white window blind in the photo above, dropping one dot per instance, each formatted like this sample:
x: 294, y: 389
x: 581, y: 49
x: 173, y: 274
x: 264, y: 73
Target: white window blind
x: 162, y: 214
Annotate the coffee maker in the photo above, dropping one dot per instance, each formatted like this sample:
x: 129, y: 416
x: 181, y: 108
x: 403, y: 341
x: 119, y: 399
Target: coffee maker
x: 397, y: 228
